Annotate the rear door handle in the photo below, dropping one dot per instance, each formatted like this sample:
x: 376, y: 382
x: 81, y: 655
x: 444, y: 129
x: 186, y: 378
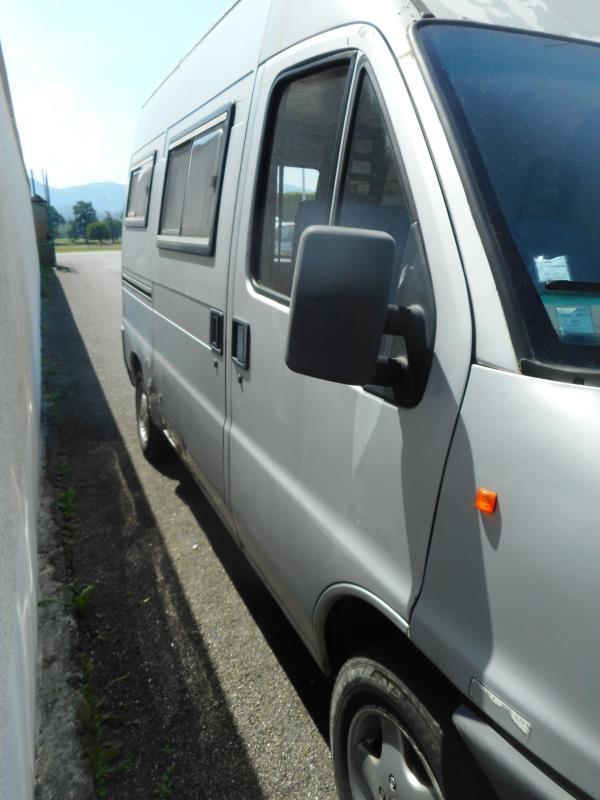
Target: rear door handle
x: 240, y: 344
x: 215, y: 336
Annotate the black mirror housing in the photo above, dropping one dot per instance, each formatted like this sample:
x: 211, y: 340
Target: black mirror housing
x: 342, y: 283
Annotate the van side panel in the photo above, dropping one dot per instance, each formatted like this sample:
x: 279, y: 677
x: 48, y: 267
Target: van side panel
x: 189, y: 377
x: 511, y: 600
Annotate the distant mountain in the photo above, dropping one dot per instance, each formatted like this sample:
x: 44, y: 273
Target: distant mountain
x: 103, y: 196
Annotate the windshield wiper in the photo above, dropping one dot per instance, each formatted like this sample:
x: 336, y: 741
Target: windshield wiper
x: 585, y: 287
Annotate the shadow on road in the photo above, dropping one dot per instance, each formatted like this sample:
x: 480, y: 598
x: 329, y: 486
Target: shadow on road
x: 161, y: 698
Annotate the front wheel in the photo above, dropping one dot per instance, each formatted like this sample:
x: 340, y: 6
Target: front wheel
x: 152, y: 440
x: 387, y: 741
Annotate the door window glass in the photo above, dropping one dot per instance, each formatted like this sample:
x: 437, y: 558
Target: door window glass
x: 300, y: 168
x: 373, y: 196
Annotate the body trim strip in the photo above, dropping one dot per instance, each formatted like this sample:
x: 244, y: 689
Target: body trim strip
x: 137, y: 283
x: 183, y: 330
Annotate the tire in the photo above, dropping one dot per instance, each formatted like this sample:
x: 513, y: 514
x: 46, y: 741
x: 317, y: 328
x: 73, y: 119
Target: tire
x: 152, y: 440
x: 388, y: 742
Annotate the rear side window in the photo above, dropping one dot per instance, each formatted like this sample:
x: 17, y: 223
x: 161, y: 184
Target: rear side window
x: 298, y: 170
x: 192, y: 187
x: 138, y: 196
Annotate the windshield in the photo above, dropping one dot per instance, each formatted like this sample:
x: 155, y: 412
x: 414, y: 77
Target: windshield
x: 524, y: 115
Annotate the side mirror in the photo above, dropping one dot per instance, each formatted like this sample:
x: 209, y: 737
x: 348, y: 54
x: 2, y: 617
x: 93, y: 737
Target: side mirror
x: 342, y: 283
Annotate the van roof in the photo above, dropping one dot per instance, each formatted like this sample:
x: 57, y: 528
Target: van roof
x: 251, y: 31
x: 577, y: 18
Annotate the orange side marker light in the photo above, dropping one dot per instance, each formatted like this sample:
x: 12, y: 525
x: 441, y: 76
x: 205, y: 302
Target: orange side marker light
x: 485, y: 501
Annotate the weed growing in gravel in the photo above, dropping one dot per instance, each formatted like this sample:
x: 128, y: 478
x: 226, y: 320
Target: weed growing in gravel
x: 49, y: 366
x: 66, y: 503
x: 72, y: 593
x: 164, y: 790
x: 81, y: 597
x: 51, y: 399
x: 103, y: 753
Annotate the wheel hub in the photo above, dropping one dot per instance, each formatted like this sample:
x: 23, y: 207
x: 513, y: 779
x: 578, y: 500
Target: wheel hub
x: 143, y: 418
x: 385, y: 762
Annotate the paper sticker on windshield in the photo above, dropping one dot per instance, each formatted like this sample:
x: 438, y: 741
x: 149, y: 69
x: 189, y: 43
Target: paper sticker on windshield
x: 552, y: 269
x: 576, y: 321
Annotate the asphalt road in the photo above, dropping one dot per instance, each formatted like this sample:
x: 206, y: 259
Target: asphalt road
x: 204, y: 685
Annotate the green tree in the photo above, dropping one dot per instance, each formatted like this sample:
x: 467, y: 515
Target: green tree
x: 83, y: 214
x: 56, y: 219
x: 72, y: 230
x: 63, y: 231
x: 114, y: 224
x: 99, y: 231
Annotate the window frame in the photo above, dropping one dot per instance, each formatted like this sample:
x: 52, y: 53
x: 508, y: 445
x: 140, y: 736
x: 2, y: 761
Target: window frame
x: 358, y: 65
x: 140, y: 222
x: 363, y: 67
x: 286, y: 76
x: 198, y: 245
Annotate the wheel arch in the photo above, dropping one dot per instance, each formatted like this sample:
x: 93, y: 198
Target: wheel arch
x: 136, y: 364
x: 347, y: 618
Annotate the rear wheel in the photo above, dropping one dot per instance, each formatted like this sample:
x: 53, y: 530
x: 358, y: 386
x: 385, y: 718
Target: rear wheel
x: 389, y: 742
x: 152, y: 440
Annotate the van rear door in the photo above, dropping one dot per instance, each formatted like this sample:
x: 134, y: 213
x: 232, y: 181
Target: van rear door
x: 333, y: 483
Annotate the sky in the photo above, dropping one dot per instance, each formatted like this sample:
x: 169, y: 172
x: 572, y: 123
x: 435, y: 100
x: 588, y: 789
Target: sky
x: 79, y: 73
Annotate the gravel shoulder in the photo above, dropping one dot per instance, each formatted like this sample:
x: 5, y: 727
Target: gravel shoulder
x: 190, y: 682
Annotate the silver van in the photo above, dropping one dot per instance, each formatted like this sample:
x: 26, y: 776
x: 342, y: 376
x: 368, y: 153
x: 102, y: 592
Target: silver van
x: 396, y: 410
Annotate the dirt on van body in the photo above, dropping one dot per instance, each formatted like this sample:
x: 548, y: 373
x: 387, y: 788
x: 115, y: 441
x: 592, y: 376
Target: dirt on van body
x: 184, y: 678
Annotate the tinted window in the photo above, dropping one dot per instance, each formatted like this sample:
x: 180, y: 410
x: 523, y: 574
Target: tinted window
x: 526, y: 111
x: 301, y: 161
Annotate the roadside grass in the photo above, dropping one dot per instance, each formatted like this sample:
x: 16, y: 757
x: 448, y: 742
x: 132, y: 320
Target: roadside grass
x: 81, y: 246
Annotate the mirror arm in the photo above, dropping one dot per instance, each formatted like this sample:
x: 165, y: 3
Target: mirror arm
x: 408, y: 322
x: 403, y: 321
x: 392, y: 372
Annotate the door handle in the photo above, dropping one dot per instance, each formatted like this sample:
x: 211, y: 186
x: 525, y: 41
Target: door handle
x: 215, y: 335
x: 240, y: 343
